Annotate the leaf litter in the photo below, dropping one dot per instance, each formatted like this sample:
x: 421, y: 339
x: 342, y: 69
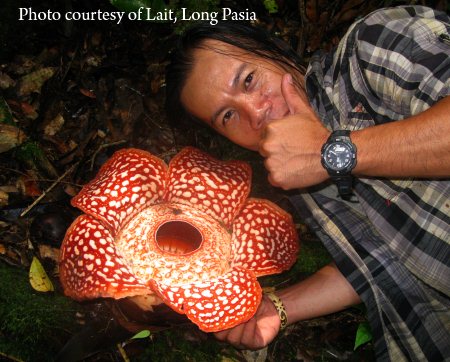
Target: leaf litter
x: 71, y: 97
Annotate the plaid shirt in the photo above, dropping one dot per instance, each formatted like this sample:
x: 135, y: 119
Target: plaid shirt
x: 393, y: 245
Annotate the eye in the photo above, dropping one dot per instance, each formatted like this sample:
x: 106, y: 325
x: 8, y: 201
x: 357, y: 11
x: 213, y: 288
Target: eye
x: 248, y: 80
x: 226, y: 117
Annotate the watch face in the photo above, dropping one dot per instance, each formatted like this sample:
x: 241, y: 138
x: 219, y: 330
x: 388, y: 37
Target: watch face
x: 338, y: 156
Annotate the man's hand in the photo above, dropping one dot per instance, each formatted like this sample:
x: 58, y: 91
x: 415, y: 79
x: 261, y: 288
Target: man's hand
x: 257, y: 332
x: 291, y: 145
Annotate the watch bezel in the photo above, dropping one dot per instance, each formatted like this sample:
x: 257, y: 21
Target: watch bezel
x: 333, y: 140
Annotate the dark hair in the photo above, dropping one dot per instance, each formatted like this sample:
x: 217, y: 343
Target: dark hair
x: 249, y: 38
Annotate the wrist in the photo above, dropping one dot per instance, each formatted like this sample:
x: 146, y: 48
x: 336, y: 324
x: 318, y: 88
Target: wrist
x: 320, y: 173
x: 321, y: 142
x: 280, y: 308
x: 358, y: 138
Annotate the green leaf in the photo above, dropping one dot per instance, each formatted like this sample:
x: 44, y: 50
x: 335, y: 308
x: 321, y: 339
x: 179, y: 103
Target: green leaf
x: 5, y: 113
x: 363, y: 335
x: 271, y: 6
x: 142, y: 334
x: 34, y: 156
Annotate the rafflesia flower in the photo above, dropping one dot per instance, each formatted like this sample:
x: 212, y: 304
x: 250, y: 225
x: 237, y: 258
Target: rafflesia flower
x: 187, y: 232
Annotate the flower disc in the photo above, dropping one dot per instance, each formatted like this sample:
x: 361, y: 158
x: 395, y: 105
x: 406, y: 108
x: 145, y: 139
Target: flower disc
x: 175, y: 244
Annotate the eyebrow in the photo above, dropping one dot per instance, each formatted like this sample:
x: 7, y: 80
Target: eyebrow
x: 234, y: 85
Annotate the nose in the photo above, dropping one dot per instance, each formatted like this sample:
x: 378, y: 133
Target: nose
x: 257, y: 109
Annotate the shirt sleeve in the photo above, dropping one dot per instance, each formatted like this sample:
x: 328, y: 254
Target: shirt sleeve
x: 404, y: 57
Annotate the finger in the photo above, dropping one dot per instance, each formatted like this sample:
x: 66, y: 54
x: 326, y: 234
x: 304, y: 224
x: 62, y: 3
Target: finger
x: 272, y: 180
x: 249, y: 335
x: 262, y: 142
x: 236, y: 334
x: 268, y: 141
x: 291, y: 95
x: 222, y: 335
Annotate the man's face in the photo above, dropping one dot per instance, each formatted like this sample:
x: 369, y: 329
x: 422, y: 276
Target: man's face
x: 234, y: 92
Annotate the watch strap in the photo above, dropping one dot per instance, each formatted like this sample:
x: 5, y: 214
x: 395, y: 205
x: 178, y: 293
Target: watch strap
x: 335, y: 135
x: 344, y: 182
x: 344, y: 185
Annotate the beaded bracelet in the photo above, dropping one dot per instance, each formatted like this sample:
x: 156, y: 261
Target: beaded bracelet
x: 279, y: 306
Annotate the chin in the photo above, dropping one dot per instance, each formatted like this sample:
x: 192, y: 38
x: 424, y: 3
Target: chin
x: 251, y: 144
x: 251, y: 147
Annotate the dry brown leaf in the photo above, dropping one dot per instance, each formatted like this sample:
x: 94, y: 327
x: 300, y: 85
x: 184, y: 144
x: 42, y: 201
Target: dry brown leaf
x: 53, y: 127
x: 28, y: 186
x: 49, y: 252
x: 10, y: 137
x: 87, y: 93
x: 3, y: 198
x: 29, y: 110
x: 6, y: 81
x: 8, y: 189
x: 33, y: 82
x: 71, y: 190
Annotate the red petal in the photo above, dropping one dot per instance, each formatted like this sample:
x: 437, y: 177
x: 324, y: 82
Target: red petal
x: 90, y: 266
x: 218, y: 304
x: 264, y: 238
x: 218, y: 188
x: 128, y: 182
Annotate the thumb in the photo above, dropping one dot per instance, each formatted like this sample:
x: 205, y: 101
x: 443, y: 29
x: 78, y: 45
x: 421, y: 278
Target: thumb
x: 291, y: 94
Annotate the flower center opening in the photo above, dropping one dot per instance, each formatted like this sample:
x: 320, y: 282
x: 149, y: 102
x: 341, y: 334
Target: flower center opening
x: 178, y: 237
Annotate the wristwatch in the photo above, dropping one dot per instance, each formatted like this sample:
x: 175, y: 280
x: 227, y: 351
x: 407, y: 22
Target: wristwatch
x: 339, y: 159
